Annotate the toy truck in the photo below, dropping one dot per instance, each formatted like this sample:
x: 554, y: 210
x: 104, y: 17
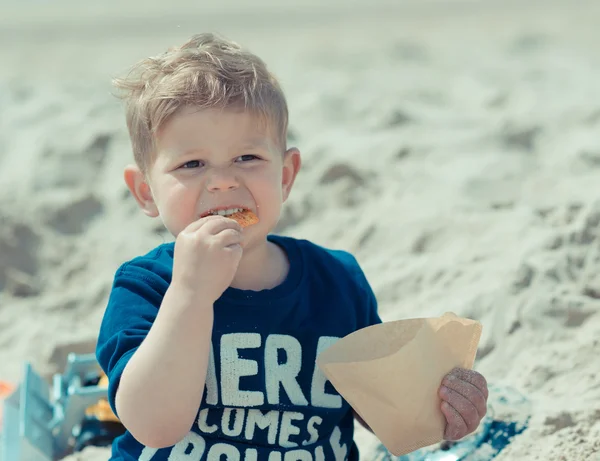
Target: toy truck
x: 46, y: 423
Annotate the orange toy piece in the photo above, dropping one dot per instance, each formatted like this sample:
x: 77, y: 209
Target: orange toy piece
x: 101, y: 410
x: 6, y: 389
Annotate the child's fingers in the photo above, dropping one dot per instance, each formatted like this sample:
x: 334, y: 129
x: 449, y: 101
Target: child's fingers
x: 465, y: 408
x: 471, y: 376
x: 456, y: 427
x: 469, y: 391
x: 219, y: 224
x: 213, y: 224
x: 229, y: 237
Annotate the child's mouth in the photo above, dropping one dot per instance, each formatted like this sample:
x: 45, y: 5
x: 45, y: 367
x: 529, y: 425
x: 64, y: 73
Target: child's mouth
x: 227, y: 212
x: 243, y: 216
x: 224, y: 211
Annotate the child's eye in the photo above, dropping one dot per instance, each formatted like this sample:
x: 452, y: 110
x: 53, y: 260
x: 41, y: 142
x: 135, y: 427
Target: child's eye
x: 191, y: 164
x: 247, y: 158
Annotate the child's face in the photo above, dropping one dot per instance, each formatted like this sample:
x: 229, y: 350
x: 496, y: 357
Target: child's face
x: 218, y: 158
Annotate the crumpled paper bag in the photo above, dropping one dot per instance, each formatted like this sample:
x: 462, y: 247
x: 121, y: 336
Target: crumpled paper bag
x: 391, y: 374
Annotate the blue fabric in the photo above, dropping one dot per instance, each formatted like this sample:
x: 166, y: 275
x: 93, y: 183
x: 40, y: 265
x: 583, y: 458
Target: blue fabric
x: 265, y: 398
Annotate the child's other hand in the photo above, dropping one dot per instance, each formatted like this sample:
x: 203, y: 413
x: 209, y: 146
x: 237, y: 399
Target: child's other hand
x: 207, y: 255
x: 464, y: 395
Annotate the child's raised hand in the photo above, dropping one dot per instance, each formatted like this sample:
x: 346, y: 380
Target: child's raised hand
x: 207, y: 255
x: 464, y: 395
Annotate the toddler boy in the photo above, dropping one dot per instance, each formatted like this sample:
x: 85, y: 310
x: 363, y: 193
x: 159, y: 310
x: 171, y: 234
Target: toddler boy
x: 210, y: 342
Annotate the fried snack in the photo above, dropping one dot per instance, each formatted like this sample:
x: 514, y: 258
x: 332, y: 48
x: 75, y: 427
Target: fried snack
x: 244, y: 218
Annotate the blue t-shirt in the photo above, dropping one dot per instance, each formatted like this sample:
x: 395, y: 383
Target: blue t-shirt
x: 265, y: 398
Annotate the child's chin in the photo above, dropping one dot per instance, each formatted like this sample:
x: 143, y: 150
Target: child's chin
x: 253, y: 238
x: 173, y: 230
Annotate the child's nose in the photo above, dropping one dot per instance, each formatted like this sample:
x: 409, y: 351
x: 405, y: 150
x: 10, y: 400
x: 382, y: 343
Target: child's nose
x: 220, y: 179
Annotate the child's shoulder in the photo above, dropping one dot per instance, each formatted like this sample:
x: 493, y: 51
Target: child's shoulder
x: 156, y: 262
x: 338, y: 271
x: 327, y: 259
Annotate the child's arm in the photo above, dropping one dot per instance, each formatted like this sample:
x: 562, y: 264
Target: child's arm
x: 161, y: 387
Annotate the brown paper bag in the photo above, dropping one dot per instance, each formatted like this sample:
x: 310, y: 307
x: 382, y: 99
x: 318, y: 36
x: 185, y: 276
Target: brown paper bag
x: 391, y: 373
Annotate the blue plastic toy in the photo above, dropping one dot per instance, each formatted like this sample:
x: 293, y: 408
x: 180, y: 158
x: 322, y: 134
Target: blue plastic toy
x: 39, y: 426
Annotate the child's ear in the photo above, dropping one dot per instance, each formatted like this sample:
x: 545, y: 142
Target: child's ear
x: 291, y: 166
x: 139, y: 188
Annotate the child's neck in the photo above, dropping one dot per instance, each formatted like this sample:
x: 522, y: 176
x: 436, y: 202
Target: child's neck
x: 261, y: 268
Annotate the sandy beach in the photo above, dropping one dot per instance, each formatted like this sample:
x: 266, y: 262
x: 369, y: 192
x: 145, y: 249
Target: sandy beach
x: 452, y: 146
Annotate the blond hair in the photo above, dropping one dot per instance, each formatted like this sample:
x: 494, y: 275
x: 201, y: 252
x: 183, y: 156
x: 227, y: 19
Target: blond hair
x: 205, y: 72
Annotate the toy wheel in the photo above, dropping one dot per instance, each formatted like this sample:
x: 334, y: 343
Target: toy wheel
x: 98, y: 433
x: 91, y: 379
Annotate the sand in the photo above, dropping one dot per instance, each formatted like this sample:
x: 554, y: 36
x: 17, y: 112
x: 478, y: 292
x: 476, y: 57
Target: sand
x: 452, y: 146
